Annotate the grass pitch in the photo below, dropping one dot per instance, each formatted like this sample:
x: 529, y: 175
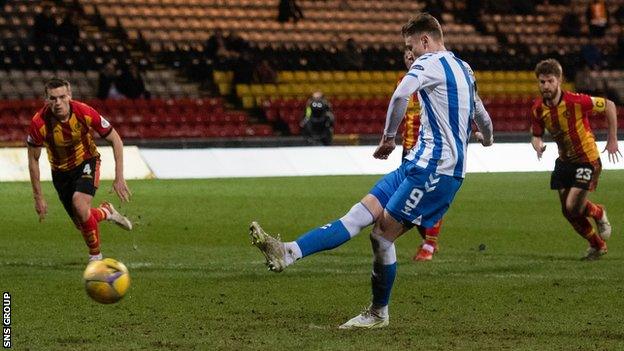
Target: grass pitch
x: 197, y: 284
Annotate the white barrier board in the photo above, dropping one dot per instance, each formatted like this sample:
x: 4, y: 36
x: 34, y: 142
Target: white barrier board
x: 334, y: 160
x: 14, y: 164
x: 284, y: 161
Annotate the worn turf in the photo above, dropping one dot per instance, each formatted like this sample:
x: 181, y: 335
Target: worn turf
x: 508, y: 275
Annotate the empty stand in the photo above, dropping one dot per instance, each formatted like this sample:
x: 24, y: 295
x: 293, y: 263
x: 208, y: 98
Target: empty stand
x: 146, y: 119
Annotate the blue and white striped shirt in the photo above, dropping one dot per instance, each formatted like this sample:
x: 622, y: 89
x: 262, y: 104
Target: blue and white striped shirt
x: 447, y: 96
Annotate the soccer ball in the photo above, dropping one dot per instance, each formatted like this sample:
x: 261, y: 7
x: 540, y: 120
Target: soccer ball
x: 107, y: 280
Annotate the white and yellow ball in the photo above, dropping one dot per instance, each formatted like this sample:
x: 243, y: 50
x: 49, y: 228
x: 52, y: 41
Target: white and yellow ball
x: 107, y: 280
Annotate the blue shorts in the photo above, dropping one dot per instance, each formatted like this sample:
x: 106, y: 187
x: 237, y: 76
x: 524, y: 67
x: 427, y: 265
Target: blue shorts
x: 416, y: 196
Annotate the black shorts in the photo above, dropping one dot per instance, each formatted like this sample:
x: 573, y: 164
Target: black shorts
x: 575, y: 175
x: 84, y: 178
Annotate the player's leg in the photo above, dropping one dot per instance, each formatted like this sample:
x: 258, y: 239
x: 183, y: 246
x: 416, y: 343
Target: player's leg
x: 86, y: 181
x: 334, y: 234
x: 572, y: 182
x: 361, y: 215
x: 421, y: 199
x: 65, y: 185
x: 429, y: 245
x: 385, y: 231
x: 596, y: 211
x: 88, y: 184
x: 88, y: 223
x: 572, y: 203
x: 279, y: 255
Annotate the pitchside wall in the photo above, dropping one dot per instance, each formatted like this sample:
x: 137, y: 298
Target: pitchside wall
x: 285, y: 161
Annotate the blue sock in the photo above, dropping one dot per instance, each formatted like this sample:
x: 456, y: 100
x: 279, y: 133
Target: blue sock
x: 326, y: 237
x: 381, y: 281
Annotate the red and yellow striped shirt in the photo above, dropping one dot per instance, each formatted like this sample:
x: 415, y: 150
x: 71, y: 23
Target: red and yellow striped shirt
x: 411, y: 123
x: 568, y: 123
x: 71, y: 142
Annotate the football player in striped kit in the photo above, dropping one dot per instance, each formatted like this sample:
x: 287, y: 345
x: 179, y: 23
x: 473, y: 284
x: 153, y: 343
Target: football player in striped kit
x: 566, y: 117
x: 409, y: 136
x: 421, y: 190
x: 65, y: 127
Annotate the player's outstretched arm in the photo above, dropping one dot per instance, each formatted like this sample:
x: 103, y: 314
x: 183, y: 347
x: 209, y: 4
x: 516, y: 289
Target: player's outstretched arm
x: 396, y: 111
x: 385, y: 147
x: 538, y: 146
x: 119, y: 184
x: 41, y: 206
x: 612, y: 142
x: 482, y: 118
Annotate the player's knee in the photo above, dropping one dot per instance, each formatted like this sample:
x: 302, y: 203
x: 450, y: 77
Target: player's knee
x: 81, y: 216
x: 81, y: 212
x: 564, y: 211
x: 383, y: 249
x: 573, y: 210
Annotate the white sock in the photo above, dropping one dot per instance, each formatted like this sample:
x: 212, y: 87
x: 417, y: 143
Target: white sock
x: 358, y: 218
x: 293, y: 252
x: 384, y: 251
x: 95, y: 257
x: 380, y: 311
x: 107, y: 213
x: 428, y: 247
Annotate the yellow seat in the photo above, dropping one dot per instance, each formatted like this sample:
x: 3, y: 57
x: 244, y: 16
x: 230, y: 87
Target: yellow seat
x: 242, y: 90
x: 218, y: 76
x: 485, y: 88
x: 339, y: 76
x: 326, y: 76
x: 365, y: 76
x: 374, y: 89
x: 392, y: 76
x: 362, y: 89
x: 285, y: 90
x: 381, y: 90
x: 248, y: 101
x: 314, y: 76
x: 499, y: 76
x: 224, y: 88
x: 329, y: 89
x: 487, y: 76
x: 301, y: 76
x: 352, y: 76
x: 270, y: 89
x: 350, y: 89
x: 377, y: 76
x: 510, y: 76
x: 527, y: 89
x: 286, y: 76
x: 389, y: 88
x: 526, y: 76
x: 510, y: 88
x: 222, y: 76
x: 256, y: 89
x: 478, y: 76
x: 302, y: 90
x: 498, y: 88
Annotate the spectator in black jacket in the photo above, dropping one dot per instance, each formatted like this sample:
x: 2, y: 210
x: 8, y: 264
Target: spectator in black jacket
x: 45, y: 27
x: 131, y: 85
x: 68, y: 30
x: 288, y: 9
x: 107, y: 88
x: 318, y: 121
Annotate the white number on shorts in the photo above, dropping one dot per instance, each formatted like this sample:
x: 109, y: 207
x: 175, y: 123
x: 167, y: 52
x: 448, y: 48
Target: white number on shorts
x: 583, y: 173
x: 87, y: 169
x: 413, y: 201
